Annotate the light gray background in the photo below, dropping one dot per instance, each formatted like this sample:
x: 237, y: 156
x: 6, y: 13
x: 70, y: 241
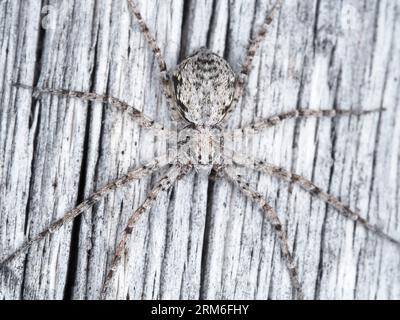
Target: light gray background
x: 202, y: 239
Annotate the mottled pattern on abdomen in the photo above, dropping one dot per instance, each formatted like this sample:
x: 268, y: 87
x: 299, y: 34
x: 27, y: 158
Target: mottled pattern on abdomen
x: 204, y: 85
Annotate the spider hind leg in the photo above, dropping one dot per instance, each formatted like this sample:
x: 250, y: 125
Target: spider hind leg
x: 136, y: 114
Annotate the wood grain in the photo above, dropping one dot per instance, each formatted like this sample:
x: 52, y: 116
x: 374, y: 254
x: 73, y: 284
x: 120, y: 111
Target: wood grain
x: 203, y: 239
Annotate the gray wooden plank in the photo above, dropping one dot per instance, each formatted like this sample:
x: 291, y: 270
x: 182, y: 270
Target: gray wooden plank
x: 202, y: 239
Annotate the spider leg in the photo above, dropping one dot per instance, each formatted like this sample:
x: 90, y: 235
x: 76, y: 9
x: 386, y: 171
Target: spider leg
x: 252, y: 47
x: 135, y: 174
x: 301, y: 113
x: 175, y: 172
x: 165, y: 76
x: 274, y: 220
x: 137, y: 115
x: 309, y: 186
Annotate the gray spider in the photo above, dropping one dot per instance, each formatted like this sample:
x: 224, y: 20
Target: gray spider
x: 201, y: 92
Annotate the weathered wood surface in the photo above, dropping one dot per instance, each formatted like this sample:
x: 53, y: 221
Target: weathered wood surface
x: 202, y: 239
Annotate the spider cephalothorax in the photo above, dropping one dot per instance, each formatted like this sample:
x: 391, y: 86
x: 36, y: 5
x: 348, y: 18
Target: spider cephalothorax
x: 202, y: 146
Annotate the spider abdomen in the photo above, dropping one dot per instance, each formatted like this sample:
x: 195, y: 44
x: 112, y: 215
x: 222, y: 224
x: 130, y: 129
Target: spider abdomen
x: 204, y: 85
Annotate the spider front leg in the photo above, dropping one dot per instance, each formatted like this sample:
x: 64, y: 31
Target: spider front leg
x: 135, y: 174
x: 177, y: 171
x: 137, y: 115
x: 309, y: 186
x: 274, y: 220
x: 300, y: 113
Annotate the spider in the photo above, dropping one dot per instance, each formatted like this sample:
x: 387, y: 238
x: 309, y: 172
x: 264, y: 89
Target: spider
x: 201, y: 92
